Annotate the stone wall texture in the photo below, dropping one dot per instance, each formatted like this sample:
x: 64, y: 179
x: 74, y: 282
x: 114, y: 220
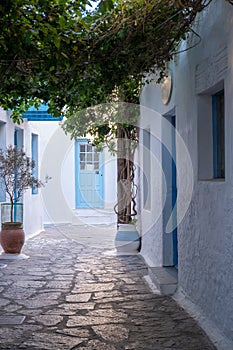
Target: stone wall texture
x: 205, y: 235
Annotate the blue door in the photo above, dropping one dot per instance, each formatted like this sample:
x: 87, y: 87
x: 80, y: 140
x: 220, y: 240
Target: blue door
x: 170, y: 240
x: 89, y: 177
x: 174, y: 193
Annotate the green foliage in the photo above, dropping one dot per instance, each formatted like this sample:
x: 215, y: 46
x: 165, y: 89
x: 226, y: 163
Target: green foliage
x: 16, y: 173
x: 57, y: 51
x: 84, y: 63
x: 39, y: 46
x: 101, y: 122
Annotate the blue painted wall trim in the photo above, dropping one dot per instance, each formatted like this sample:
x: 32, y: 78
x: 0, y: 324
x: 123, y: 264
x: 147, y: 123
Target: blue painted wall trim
x: 40, y: 114
x: 34, y: 150
x: 174, y: 194
x: 18, y: 143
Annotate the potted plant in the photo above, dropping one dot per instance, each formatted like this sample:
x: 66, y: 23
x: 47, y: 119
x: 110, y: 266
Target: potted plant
x: 16, y: 176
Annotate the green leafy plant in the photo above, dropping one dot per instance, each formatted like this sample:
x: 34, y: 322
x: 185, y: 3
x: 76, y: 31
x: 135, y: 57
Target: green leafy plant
x: 16, y: 174
x: 61, y: 53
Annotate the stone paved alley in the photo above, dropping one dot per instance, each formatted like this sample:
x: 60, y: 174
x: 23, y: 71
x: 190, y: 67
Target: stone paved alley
x: 69, y: 296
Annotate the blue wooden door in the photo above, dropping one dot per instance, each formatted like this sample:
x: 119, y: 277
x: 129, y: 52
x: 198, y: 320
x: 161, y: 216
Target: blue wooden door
x: 174, y: 192
x: 170, y: 241
x: 89, y: 176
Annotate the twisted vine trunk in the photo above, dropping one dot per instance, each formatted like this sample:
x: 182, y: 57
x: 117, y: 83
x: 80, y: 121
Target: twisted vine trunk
x: 125, y: 177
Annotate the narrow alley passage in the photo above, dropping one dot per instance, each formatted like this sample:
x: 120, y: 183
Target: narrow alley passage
x: 67, y: 296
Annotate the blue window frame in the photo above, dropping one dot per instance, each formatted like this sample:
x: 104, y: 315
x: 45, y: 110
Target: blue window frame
x: 18, y: 138
x: 34, y: 150
x: 19, y: 144
x: 218, y: 135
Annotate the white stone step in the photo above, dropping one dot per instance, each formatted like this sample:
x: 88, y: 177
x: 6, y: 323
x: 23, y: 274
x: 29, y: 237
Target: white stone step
x: 93, y: 217
x: 164, y: 278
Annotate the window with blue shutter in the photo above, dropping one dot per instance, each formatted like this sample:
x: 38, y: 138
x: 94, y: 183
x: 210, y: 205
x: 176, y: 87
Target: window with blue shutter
x: 218, y: 135
x: 34, y: 145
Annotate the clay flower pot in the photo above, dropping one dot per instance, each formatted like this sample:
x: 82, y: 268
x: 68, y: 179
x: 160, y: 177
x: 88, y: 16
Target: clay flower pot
x: 12, y: 237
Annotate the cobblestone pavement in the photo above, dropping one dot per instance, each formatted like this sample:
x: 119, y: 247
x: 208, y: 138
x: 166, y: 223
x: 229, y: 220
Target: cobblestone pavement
x: 67, y: 296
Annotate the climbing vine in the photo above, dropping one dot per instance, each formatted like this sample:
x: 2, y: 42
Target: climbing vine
x: 58, y: 51
x: 62, y: 53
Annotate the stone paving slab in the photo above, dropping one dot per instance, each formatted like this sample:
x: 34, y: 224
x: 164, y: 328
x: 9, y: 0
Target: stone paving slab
x: 73, y: 297
x: 11, y: 320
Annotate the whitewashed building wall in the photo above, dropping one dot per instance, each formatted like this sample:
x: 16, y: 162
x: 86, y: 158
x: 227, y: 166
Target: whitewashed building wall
x: 58, y: 164
x: 32, y: 205
x: 205, y: 235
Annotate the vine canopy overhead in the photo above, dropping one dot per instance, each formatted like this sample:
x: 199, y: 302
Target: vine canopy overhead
x: 62, y: 53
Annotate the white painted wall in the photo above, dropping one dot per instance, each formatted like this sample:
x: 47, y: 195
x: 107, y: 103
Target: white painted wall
x: 33, y: 221
x: 54, y: 152
x: 152, y: 110
x: 206, y: 232
x: 205, y: 235
x: 58, y: 162
x: 150, y: 213
x: 110, y: 180
x: 32, y: 202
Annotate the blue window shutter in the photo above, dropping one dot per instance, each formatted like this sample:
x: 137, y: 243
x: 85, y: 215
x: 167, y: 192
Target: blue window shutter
x: 218, y: 135
x: 34, y: 157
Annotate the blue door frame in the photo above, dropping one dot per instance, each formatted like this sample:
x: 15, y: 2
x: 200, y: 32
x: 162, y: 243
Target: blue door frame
x: 89, y: 176
x: 174, y: 193
x: 170, y: 240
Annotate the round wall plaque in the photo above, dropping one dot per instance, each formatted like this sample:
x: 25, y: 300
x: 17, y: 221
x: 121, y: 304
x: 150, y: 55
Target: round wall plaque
x: 166, y: 89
